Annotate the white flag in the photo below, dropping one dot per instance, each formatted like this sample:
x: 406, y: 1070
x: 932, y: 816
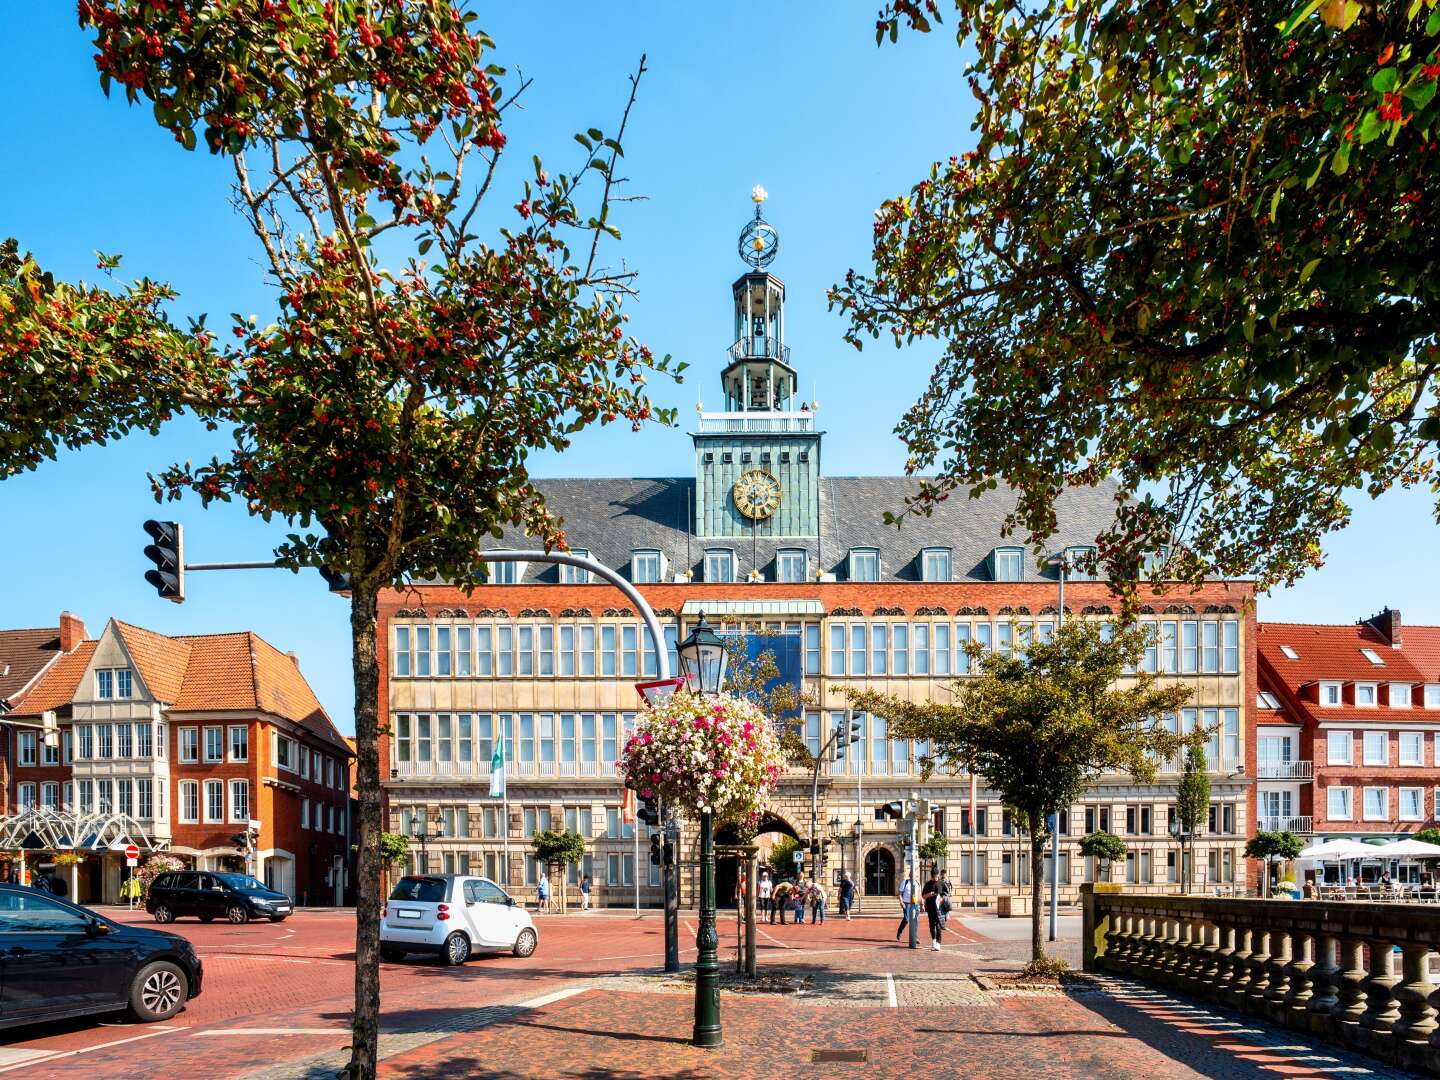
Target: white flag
x: 497, y: 770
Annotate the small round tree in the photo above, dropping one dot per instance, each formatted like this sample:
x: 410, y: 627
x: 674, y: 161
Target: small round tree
x: 1105, y: 848
x: 1271, y: 846
x: 556, y: 849
x: 933, y: 850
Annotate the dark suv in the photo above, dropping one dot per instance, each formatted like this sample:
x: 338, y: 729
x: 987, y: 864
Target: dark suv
x: 58, y: 959
x: 214, y: 894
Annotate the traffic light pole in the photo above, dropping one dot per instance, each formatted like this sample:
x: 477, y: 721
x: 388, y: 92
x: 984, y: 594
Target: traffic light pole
x: 914, y: 905
x: 669, y: 871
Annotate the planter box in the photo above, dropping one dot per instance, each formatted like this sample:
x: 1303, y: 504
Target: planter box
x: 1010, y: 907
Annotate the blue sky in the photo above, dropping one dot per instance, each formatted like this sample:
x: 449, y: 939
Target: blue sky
x: 794, y: 97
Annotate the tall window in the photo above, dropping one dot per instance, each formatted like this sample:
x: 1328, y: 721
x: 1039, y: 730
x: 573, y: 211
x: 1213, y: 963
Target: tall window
x: 28, y: 742
x: 214, y: 743
x: 189, y: 745
x: 719, y: 565
x: 1377, y: 748
x: 1377, y: 804
x: 1007, y: 564
x: 790, y: 565
x: 214, y: 800
x: 1077, y: 563
x: 1412, y: 804
x: 104, y: 684
x: 645, y: 567
x: 189, y: 800
x: 402, y: 650
x: 1339, y: 748
x: 239, y: 743
x: 575, y: 575
x: 1412, y: 748
x: 864, y: 564
x: 935, y: 564
x: 506, y: 573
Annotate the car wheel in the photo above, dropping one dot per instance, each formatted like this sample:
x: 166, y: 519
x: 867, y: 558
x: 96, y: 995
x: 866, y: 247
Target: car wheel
x: 391, y: 956
x: 457, y: 949
x: 236, y: 913
x: 525, y: 943
x: 163, y: 913
x: 158, y: 992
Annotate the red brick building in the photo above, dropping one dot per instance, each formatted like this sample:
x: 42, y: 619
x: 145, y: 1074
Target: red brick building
x: 1348, y: 728
x: 183, y: 744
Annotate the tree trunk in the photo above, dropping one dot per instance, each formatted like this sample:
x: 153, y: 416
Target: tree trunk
x: 365, y: 1035
x: 1037, y: 887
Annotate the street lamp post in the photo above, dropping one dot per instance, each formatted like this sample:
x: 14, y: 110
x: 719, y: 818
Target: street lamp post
x: 421, y: 833
x: 702, y: 662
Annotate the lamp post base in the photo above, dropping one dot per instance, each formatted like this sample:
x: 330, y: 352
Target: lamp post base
x: 707, y: 964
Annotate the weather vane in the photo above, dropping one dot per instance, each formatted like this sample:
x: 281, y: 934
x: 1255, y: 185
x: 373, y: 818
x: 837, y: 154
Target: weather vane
x: 759, y: 242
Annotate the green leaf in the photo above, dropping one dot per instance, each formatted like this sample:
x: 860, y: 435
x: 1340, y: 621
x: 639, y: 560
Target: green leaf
x: 1319, y: 165
x: 1420, y: 93
x: 1432, y: 24
x: 1341, y: 161
x: 1307, y: 270
x: 1299, y: 16
x: 364, y: 221
x: 1385, y: 79
x: 1250, y: 329
x: 1370, y: 127
x: 583, y: 141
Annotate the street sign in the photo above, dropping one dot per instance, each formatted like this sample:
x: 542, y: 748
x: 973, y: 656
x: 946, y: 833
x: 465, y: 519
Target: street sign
x: 254, y: 824
x: 659, y: 691
x: 132, y: 853
x: 132, y: 862
x: 799, y: 857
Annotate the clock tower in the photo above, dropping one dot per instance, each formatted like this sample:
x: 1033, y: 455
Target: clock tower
x: 757, y: 461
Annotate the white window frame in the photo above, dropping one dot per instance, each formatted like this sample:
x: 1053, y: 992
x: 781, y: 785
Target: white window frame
x: 1329, y: 691
x: 218, y: 755
x: 945, y: 553
x: 720, y: 565
x: 646, y: 558
x: 27, y: 749
x: 25, y: 796
x: 244, y: 730
x: 1331, y: 740
x: 1371, y: 738
x: 50, y: 794
x: 1078, y: 553
x: 1001, y: 558
x: 1399, y: 694
x: 575, y: 575
x: 785, y: 565
x: 305, y: 813
x: 189, y: 789
x: 295, y: 748
x: 505, y: 573
x: 242, y: 815
x: 1374, y: 693
x: 1419, y: 814
x: 207, y: 807
x: 1365, y: 814
x: 1432, y: 695
x: 192, y: 755
x: 104, y: 684
x: 864, y: 554
x: 1330, y: 812
x: 1415, y: 739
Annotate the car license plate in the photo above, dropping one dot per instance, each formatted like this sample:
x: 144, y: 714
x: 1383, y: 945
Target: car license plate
x: 408, y: 914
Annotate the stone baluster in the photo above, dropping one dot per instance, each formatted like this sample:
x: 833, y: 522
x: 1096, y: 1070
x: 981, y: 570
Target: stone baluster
x: 1121, y: 944
x: 1239, y: 983
x: 1207, y: 970
x: 1382, y: 1008
x: 1277, y: 970
x: 1149, y: 942
x: 1194, y: 956
x: 1260, y: 939
x: 1221, y: 971
x: 1300, y: 986
x: 1172, y: 948
x: 1417, y: 1019
x: 1350, y: 986
x: 1324, y: 976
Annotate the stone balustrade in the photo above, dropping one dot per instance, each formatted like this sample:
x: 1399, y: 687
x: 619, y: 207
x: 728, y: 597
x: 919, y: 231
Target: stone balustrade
x: 1355, y: 973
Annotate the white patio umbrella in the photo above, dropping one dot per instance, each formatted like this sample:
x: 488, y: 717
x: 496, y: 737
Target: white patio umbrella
x: 1340, y: 850
x: 1409, y: 849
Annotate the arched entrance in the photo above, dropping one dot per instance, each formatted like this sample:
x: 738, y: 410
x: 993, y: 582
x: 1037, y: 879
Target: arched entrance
x: 880, y: 873
x: 726, y: 870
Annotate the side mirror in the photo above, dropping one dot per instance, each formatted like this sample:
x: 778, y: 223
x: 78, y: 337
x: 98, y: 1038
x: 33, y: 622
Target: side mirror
x: 97, y: 928
x: 509, y: 901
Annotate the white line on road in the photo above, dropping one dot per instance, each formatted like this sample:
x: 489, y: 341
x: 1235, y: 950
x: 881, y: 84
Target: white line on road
x: 87, y: 1049
x: 549, y: 999
x: 890, y: 990
x: 274, y: 1031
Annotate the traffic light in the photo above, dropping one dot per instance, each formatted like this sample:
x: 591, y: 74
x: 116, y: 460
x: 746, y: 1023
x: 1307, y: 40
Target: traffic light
x: 845, y: 735
x: 893, y: 810
x: 657, y: 849
x: 241, y: 840
x: 168, y: 555
x: 338, y: 580
x: 649, y: 811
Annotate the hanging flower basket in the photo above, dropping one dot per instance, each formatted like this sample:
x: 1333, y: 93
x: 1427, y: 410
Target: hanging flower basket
x: 704, y: 754
x: 68, y: 858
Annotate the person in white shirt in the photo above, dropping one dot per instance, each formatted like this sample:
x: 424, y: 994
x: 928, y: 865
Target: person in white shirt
x: 766, y: 888
x: 907, y: 893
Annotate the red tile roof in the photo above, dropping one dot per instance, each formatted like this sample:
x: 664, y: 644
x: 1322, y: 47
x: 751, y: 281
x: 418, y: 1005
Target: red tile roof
x: 1333, y: 653
x: 56, y: 687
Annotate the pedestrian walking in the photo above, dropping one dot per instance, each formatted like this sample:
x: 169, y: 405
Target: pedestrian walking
x: 944, y: 899
x: 766, y: 888
x: 930, y: 897
x: 847, y: 894
x: 907, y: 892
x: 817, y: 902
x: 585, y: 886
x: 542, y: 892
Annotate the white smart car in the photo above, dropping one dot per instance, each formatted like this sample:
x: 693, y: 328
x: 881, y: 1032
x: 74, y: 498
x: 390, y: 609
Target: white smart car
x: 453, y: 916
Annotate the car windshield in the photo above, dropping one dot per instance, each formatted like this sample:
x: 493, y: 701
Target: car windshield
x: 426, y: 890
x: 241, y: 881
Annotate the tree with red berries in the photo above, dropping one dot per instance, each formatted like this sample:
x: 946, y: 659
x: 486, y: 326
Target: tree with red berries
x: 388, y: 409
x: 1194, y: 248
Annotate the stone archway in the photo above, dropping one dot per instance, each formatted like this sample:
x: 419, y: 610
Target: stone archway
x: 880, y: 872
x: 726, y: 871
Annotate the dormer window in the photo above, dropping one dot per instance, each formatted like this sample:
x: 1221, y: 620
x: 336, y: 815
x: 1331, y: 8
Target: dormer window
x: 1007, y: 564
x: 1432, y: 696
x: 935, y: 564
x: 790, y: 564
x: 1329, y: 693
x: 864, y: 565
x: 1399, y: 695
x: 506, y: 573
x: 646, y: 567
x: 1078, y: 562
x: 575, y: 575
x: 1155, y: 561
x: 1367, y: 694
x: 719, y: 565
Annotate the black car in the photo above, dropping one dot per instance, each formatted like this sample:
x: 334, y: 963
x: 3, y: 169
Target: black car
x: 214, y: 894
x: 58, y: 960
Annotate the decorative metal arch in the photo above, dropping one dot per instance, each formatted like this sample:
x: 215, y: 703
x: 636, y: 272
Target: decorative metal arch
x: 44, y: 829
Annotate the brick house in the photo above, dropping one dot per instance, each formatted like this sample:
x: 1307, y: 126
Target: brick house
x: 1348, y: 747
x: 183, y: 743
x: 758, y: 538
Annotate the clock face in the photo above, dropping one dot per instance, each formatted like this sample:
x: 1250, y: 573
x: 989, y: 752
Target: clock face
x: 756, y: 494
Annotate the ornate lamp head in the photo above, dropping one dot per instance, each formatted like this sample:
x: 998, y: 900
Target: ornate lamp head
x: 759, y: 242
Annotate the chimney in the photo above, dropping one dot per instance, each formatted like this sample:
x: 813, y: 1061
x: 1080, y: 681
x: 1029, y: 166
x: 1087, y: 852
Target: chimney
x: 1387, y: 625
x: 72, y: 631
x: 294, y: 659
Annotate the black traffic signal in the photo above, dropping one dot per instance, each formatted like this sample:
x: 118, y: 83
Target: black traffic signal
x: 241, y: 840
x: 338, y: 580
x: 168, y: 555
x: 893, y: 810
x: 657, y: 852
x: 649, y: 811
x: 845, y: 735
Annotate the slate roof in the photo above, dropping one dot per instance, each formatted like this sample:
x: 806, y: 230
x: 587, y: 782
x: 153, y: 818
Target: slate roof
x: 610, y: 517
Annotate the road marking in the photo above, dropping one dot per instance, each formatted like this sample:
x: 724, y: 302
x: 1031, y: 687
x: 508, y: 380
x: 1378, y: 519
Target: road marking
x: 87, y: 1049
x: 548, y: 999
x: 16, y: 1056
x: 273, y: 1031
x: 782, y: 944
x: 890, y: 991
